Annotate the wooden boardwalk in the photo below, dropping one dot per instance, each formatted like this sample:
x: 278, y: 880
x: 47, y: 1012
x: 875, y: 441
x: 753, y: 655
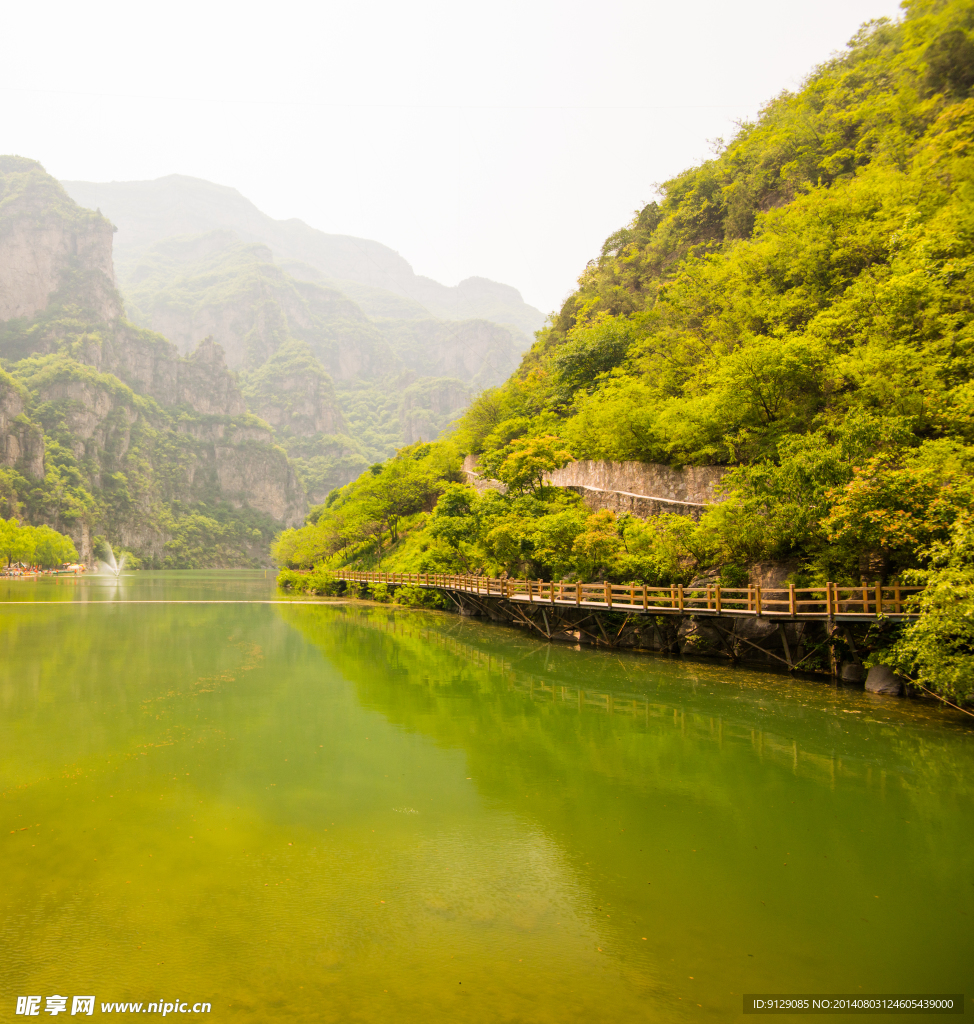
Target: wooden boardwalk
x: 829, y: 603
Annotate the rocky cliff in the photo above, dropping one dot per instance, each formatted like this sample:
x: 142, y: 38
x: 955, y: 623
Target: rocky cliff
x: 51, y: 250
x: 216, y: 285
x: 428, y: 406
x: 142, y: 464
x: 293, y: 393
x: 105, y: 428
x: 478, y: 352
x: 21, y: 442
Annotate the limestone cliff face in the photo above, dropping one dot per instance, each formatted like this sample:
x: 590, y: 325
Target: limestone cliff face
x: 310, y: 409
x: 97, y: 419
x: 204, y: 384
x: 261, y: 479
x: 186, y: 456
x: 243, y: 463
x: 51, y: 251
x: 151, y: 365
x: 476, y: 351
x: 21, y: 442
x: 141, y: 438
x: 146, y: 362
x: 429, y: 405
x: 293, y: 393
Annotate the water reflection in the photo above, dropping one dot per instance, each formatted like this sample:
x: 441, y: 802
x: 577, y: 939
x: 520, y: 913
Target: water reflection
x: 762, y: 830
x: 347, y: 813
x: 759, y: 704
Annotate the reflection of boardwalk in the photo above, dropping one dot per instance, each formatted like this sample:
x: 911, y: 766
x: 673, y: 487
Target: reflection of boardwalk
x: 829, y: 602
x: 768, y: 746
x: 636, y: 707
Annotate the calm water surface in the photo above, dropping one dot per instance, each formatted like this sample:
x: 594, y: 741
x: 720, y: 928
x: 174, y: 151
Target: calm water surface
x: 318, y: 812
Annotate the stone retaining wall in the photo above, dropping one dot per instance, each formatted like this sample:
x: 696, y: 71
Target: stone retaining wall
x: 640, y: 505
x: 692, y: 484
x: 642, y: 489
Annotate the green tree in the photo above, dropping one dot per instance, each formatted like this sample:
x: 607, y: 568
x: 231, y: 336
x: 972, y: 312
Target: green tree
x: 590, y: 351
x: 455, y: 520
x: 938, y: 649
x: 35, y: 545
x: 51, y: 548
x: 898, y: 505
x: 528, y: 460
x: 598, y: 545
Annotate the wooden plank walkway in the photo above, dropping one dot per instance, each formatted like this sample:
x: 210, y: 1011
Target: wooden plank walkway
x: 828, y: 603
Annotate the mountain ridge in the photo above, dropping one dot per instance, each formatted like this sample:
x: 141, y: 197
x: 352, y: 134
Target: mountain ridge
x: 147, y: 212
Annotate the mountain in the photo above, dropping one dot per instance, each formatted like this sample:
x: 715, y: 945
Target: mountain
x: 148, y: 212
x: 190, y: 287
x: 51, y: 250
x: 106, y: 430
x: 403, y: 354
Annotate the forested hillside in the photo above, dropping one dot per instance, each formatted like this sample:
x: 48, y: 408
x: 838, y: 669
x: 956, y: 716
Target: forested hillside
x: 797, y: 309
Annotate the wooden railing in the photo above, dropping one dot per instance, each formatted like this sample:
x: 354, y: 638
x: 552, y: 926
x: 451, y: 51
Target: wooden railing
x: 830, y: 601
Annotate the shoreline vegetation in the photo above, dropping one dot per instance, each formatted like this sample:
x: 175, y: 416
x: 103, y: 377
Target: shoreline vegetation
x: 795, y: 310
x: 27, y: 550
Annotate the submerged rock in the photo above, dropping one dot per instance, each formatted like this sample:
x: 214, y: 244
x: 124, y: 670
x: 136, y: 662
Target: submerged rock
x: 851, y: 672
x: 882, y: 679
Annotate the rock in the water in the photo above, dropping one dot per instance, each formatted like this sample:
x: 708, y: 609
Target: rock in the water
x: 882, y: 679
x: 851, y: 672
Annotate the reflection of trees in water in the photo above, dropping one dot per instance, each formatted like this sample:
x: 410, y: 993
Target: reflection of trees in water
x: 672, y: 787
x: 809, y: 729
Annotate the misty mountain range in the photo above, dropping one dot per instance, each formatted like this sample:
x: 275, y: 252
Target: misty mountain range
x: 402, y: 354
x: 377, y: 278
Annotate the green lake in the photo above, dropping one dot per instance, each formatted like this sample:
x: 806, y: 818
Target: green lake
x: 317, y: 811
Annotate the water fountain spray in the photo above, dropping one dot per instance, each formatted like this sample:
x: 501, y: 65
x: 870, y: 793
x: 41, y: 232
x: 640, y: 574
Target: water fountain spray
x: 111, y: 565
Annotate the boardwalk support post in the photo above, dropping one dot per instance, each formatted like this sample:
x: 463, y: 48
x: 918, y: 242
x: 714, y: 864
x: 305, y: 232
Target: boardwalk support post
x: 785, y: 645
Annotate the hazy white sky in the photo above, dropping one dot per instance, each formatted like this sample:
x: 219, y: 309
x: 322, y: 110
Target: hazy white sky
x: 502, y: 139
